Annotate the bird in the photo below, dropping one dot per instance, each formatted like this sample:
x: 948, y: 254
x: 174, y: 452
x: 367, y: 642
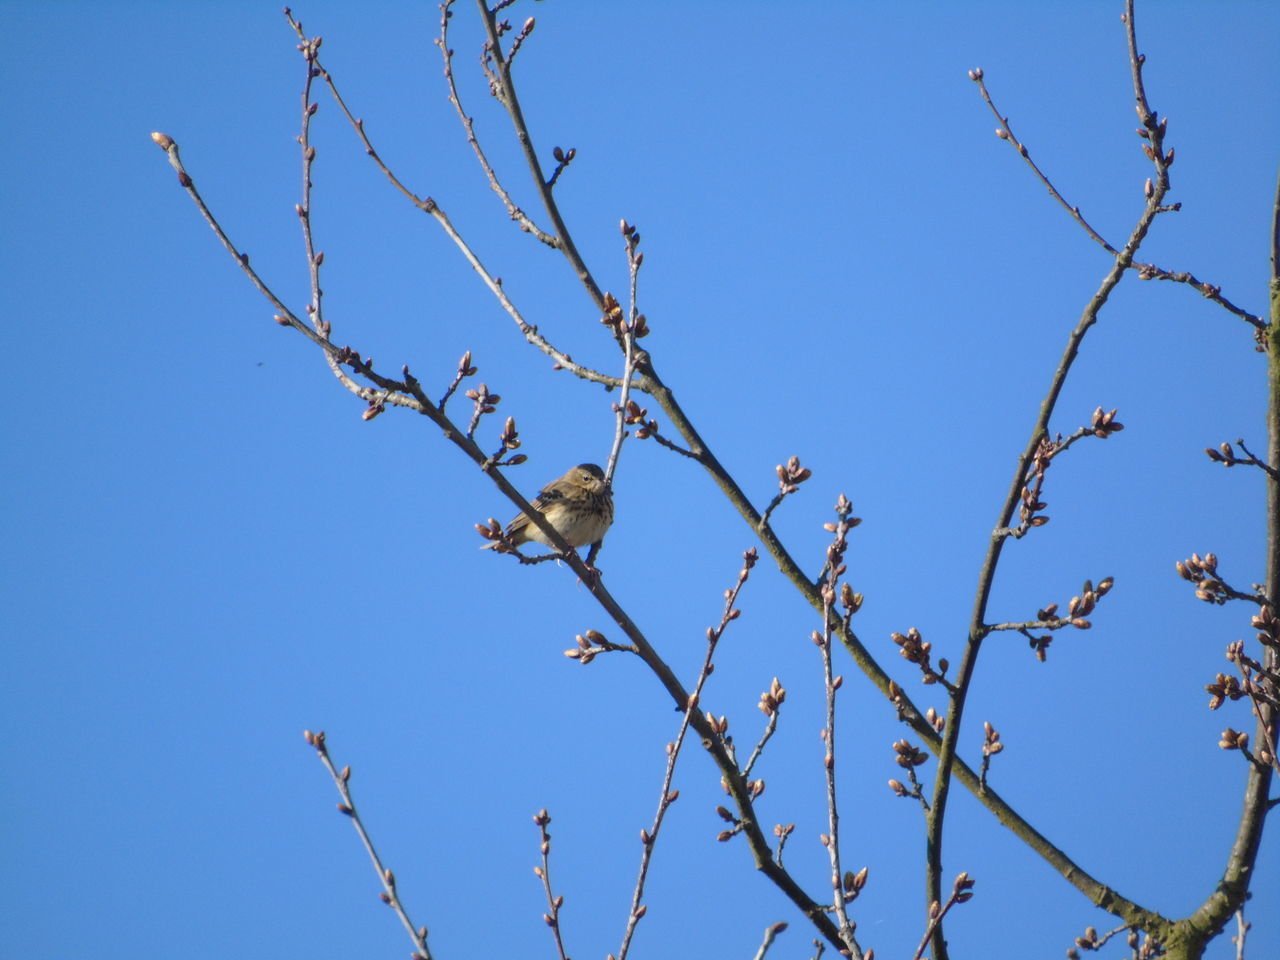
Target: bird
x: 579, y: 505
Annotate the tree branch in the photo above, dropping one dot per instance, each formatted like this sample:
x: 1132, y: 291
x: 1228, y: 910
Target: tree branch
x: 977, y: 625
x: 388, y: 880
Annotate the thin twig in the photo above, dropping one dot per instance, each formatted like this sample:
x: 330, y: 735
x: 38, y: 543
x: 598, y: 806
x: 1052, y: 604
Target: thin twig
x: 991, y: 745
x: 429, y: 206
x: 1262, y: 708
x: 468, y: 125
x: 763, y: 524
x: 1204, y: 573
x: 1103, y: 425
x: 960, y: 892
x: 782, y: 833
x: 634, y: 261
x: 1005, y: 132
x: 498, y: 70
x: 1253, y: 461
x: 284, y: 315
x: 844, y: 888
x: 1056, y: 623
x: 1242, y: 930
x: 348, y: 806
x: 770, y: 934
x: 1149, y: 271
x: 465, y: 369
x: 675, y: 447
x: 388, y: 390
x: 1092, y: 940
x: 666, y: 795
x: 543, y: 872
x: 769, y: 730
x: 314, y: 259
x: 829, y: 765
x: 1146, y: 271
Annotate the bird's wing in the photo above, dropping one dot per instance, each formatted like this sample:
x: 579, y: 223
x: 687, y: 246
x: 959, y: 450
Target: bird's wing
x: 552, y: 493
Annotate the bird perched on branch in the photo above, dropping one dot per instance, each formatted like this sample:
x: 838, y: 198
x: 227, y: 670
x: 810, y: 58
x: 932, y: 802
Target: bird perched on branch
x: 579, y: 505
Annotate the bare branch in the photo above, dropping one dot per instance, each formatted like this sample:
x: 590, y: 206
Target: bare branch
x: 770, y: 704
x: 959, y: 894
x: 429, y: 206
x: 770, y: 934
x: 1211, y: 586
x: 1226, y: 456
x: 991, y: 745
x: 627, y: 330
x: 389, y: 894
x: 1123, y: 258
x: 1092, y: 940
x: 1079, y: 608
x: 1242, y: 930
x: 498, y: 69
x: 1146, y: 271
x: 1005, y: 132
x: 285, y: 316
x: 468, y: 126
x: 844, y: 887
x: 1149, y: 271
x: 554, y: 902
x: 667, y: 796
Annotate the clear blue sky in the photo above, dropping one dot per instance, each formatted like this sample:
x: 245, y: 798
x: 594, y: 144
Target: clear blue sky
x: 208, y: 551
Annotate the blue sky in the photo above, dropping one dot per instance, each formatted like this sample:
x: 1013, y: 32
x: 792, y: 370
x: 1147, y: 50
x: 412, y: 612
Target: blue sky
x: 210, y: 551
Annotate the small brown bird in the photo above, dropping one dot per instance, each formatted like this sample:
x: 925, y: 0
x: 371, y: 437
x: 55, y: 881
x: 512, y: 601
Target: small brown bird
x: 579, y: 505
